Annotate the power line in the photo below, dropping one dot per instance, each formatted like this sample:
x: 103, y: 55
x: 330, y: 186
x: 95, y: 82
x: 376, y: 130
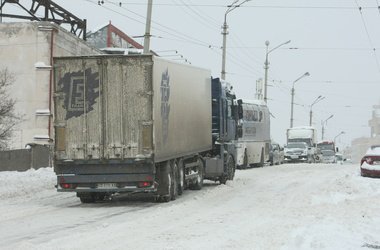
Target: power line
x: 176, y: 33
x: 368, y: 36
x: 307, y: 48
x: 198, y: 17
x: 244, y: 6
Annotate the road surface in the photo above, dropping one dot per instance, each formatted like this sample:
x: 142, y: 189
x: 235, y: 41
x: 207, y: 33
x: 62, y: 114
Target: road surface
x: 291, y: 206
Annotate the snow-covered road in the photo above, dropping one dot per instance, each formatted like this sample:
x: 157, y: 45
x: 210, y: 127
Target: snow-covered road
x: 292, y: 206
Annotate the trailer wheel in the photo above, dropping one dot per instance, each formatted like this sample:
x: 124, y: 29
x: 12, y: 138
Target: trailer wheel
x: 198, y: 184
x: 86, y: 197
x: 164, y: 190
x: 181, y: 177
x: 99, y: 196
x: 174, y: 180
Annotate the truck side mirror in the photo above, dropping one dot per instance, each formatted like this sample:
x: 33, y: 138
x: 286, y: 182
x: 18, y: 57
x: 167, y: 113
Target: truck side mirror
x: 240, y: 131
x: 240, y: 108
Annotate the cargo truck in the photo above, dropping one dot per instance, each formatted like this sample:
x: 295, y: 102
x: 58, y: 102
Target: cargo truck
x: 298, y: 135
x: 140, y: 124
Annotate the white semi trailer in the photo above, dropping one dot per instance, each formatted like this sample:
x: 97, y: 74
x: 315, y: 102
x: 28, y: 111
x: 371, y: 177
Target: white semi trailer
x: 140, y: 124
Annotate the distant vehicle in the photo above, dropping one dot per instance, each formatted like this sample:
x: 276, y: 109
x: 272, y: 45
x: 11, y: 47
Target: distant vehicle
x: 305, y: 134
x: 370, y: 163
x: 253, y: 145
x: 297, y: 152
x: 326, y: 145
x: 339, y: 158
x: 328, y: 156
x: 276, y: 154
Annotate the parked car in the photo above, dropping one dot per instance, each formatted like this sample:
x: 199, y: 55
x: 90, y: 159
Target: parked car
x: 276, y: 154
x: 328, y: 156
x: 370, y: 163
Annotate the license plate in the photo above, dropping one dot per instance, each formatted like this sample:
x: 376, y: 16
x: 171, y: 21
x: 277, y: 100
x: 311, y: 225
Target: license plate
x: 107, y: 185
x: 294, y: 156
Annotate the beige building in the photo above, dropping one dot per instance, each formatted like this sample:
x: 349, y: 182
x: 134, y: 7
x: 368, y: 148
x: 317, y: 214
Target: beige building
x: 360, y: 145
x: 27, y: 50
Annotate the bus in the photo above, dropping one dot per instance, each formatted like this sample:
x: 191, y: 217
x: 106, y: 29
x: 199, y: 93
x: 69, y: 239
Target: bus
x: 254, y: 145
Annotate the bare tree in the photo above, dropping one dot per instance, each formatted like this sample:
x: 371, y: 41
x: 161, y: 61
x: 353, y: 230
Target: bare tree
x: 8, y: 118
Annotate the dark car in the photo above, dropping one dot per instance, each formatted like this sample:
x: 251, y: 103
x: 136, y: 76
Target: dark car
x: 370, y: 163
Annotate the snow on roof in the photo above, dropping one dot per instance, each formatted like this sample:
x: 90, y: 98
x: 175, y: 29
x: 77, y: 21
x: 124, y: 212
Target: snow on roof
x: 98, y: 28
x: 302, y: 127
x: 254, y: 101
x: 373, y: 150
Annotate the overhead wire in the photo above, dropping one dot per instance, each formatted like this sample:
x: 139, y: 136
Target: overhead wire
x: 368, y: 36
x: 245, y: 6
x: 378, y: 6
x: 179, y: 36
x: 199, y: 14
x: 198, y: 17
x: 158, y: 26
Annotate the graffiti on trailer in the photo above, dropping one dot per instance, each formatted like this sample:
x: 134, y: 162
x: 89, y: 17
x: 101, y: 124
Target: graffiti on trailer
x: 165, y: 106
x: 79, y: 98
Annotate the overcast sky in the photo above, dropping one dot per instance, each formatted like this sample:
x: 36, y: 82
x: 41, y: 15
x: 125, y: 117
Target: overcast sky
x: 337, y: 41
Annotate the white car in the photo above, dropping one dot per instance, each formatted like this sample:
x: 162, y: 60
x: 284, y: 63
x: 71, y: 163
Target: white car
x: 297, y: 152
x: 328, y: 156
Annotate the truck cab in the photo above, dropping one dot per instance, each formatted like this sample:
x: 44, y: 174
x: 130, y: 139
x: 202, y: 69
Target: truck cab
x: 225, y: 130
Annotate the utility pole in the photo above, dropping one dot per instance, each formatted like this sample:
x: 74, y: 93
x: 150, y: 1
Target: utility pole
x: 225, y: 33
x: 319, y: 98
x: 266, y: 66
x: 323, y: 125
x: 292, y: 94
x: 147, y: 27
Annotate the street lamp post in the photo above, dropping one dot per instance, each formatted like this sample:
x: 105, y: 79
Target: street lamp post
x: 292, y: 102
x: 341, y: 133
x: 319, y: 98
x: 323, y: 125
x: 225, y: 32
x: 147, y: 27
x: 266, y: 65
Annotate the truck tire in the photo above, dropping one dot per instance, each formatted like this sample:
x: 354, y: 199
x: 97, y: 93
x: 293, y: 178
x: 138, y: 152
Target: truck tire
x: 174, y: 179
x: 181, y: 177
x: 164, y: 190
x: 86, y: 197
x: 230, y: 168
x: 198, y: 184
